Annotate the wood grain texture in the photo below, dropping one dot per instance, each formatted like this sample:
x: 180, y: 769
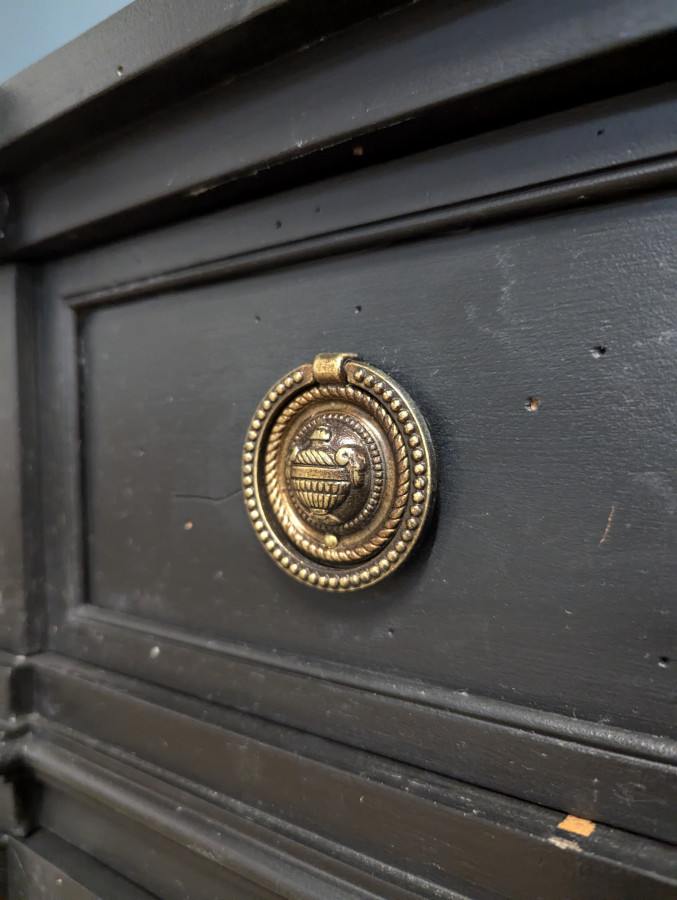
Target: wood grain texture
x: 525, y: 599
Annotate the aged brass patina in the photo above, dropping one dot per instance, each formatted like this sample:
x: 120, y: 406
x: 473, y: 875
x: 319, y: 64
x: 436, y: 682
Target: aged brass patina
x: 338, y: 473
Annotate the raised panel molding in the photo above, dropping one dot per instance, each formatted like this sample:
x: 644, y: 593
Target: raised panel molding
x: 262, y: 801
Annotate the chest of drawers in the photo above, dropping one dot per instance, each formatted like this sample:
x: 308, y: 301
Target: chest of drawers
x: 479, y: 200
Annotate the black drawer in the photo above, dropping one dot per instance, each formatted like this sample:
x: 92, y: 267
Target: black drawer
x: 496, y: 717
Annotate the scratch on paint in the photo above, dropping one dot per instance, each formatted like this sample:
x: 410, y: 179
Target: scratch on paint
x: 208, y: 498
x: 564, y: 844
x: 608, y: 524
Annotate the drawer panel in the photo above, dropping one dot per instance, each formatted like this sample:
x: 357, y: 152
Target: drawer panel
x: 545, y: 578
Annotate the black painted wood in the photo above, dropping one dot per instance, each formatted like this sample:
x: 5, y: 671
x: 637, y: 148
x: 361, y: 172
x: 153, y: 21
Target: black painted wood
x: 20, y: 562
x: 300, y: 119
x: 614, y: 148
x: 593, y: 772
x: 181, y: 841
x: 478, y: 197
x: 61, y: 472
x: 439, y: 832
x: 151, y: 53
x: 530, y: 597
x: 45, y: 867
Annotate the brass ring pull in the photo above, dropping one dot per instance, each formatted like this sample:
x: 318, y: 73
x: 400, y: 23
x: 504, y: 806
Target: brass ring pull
x: 338, y: 473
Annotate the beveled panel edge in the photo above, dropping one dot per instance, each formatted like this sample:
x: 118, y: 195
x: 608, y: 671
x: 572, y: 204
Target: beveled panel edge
x: 322, y: 220
x: 256, y: 847
x: 61, y: 437
x: 558, y: 761
x: 91, y: 618
x: 520, y: 204
x: 370, y: 814
x: 43, y: 860
x: 522, y: 61
x: 21, y: 607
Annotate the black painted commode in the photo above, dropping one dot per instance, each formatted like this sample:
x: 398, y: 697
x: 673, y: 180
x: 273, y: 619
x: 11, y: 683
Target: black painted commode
x: 479, y: 200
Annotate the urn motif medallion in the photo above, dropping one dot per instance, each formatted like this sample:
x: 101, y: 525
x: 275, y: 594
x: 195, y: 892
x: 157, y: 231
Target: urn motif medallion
x: 338, y: 473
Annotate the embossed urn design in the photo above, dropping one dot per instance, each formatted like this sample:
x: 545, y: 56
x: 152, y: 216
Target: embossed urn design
x: 334, y: 472
x: 322, y: 477
x: 338, y: 473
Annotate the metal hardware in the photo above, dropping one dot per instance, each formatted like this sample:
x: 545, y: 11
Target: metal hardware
x: 338, y: 473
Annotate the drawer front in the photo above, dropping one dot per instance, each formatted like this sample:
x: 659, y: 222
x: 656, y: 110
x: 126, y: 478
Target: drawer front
x: 517, y: 667
x: 540, y: 356
x: 480, y: 200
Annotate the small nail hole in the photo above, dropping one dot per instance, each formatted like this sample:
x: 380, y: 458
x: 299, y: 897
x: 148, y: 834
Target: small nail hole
x: 663, y: 661
x: 598, y: 351
x: 358, y: 309
x: 600, y: 132
x: 257, y: 318
x: 120, y: 70
x: 532, y: 404
x: 391, y: 632
x: 278, y: 224
x: 317, y: 209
